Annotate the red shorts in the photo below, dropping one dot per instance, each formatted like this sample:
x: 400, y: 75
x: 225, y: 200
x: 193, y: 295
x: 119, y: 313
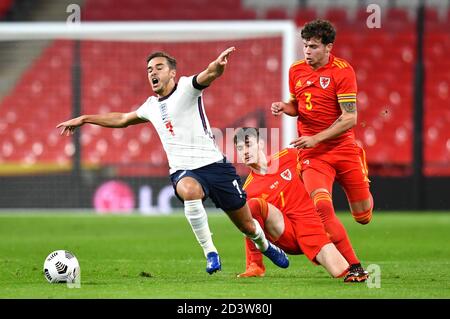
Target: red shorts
x: 304, y: 233
x: 347, y: 164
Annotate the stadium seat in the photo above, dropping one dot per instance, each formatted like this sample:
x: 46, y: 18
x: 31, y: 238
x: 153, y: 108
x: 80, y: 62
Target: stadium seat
x: 276, y: 14
x: 304, y: 15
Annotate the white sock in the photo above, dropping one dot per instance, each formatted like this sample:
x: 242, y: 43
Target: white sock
x: 196, y: 215
x: 259, y: 238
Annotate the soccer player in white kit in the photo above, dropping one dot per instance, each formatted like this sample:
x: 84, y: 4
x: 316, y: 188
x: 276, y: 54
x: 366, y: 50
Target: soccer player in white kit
x: 198, y: 169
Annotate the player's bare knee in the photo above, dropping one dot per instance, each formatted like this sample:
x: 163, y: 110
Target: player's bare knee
x: 191, y: 194
x: 189, y: 189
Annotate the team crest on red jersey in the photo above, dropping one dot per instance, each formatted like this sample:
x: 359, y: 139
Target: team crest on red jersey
x: 324, y: 81
x: 287, y: 175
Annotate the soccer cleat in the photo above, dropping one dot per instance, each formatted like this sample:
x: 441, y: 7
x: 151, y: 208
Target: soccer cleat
x: 213, y: 263
x: 277, y: 256
x: 253, y: 270
x: 356, y: 273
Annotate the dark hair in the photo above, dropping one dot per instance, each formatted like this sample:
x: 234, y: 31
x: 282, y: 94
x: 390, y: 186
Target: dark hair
x: 244, y: 133
x: 159, y: 54
x: 320, y: 29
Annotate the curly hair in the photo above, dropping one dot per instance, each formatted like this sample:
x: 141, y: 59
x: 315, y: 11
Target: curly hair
x: 319, y: 29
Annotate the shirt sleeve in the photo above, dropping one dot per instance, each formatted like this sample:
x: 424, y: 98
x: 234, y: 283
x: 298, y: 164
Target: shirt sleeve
x: 189, y: 84
x: 141, y: 112
x: 196, y: 84
x: 291, y: 84
x: 346, y: 87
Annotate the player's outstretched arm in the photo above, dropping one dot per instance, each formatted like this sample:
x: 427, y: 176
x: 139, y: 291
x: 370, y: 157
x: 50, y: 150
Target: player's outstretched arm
x: 113, y: 120
x: 215, y: 68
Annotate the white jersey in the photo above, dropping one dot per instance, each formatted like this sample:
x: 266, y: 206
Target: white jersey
x: 182, y: 126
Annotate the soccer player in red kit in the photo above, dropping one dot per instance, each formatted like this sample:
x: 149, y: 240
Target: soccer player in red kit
x: 279, y: 202
x: 323, y: 97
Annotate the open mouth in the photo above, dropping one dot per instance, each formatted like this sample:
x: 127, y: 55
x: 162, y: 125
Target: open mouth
x: 155, y: 81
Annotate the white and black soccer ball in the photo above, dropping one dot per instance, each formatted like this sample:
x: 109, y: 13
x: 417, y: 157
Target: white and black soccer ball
x: 61, y: 266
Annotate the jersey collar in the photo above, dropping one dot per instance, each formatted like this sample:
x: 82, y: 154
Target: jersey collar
x: 168, y: 95
x: 330, y: 62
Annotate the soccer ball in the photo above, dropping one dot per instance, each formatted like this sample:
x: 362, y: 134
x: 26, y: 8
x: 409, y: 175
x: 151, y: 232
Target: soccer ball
x: 61, y: 266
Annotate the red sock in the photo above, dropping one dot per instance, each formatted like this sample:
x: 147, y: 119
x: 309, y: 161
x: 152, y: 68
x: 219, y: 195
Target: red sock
x: 259, y: 209
x: 333, y: 226
x: 364, y: 217
x: 252, y: 254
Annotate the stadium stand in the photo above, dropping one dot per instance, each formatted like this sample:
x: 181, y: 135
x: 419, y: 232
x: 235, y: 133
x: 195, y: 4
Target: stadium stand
x: 382, y: 58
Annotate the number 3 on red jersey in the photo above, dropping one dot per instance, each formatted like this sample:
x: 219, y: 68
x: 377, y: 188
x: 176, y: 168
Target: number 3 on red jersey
x: 308, y: 102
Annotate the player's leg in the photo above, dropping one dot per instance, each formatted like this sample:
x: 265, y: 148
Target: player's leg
x: 268, y: 216
x: 310, y: 234
x: 319, y: 186
x: 191, y: 192
x: 277, y: 229
x: 353, y: 174
x: 254, y: 265
x: 227, y: 193
x: 362, y: 210
x: 243, y: 220
x: 332, y: 260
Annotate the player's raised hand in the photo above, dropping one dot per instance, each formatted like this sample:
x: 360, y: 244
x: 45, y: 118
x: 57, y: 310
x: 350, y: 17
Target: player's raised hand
x: 215, y: 68
x: 68, y: 127
x: 223, y: 57
x: 277, y: 108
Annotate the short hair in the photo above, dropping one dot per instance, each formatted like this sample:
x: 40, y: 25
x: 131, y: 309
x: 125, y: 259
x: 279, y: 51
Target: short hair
x: 244, y: 133
x: 159, y: 54
x: 320, y: 29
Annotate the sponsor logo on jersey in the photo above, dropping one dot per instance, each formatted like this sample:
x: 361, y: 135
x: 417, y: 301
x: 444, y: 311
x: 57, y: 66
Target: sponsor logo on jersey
x: 274, y: 185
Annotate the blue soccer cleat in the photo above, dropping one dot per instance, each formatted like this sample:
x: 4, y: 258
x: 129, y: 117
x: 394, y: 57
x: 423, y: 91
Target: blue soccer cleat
x: 277, y: 256
x: 213, y: 263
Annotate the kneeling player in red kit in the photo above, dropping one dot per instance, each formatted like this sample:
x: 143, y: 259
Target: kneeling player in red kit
x: 279, y: 202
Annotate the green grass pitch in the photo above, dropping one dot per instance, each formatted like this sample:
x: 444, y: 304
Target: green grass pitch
x: 158, y: 257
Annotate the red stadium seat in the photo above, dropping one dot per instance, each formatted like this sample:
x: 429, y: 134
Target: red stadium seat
x: 276, y: 14
x: 304, y: 15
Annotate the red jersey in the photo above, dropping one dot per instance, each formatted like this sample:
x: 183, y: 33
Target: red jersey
x: 281, y: 185
x: 319, y: 92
